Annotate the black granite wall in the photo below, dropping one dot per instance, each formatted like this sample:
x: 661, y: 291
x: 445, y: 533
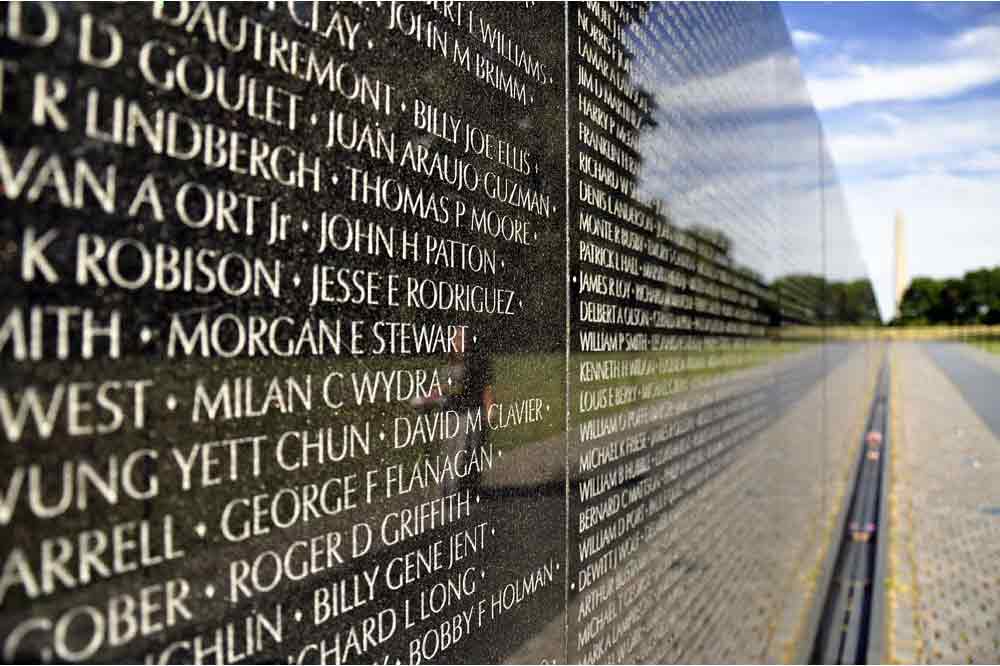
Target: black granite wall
x: 415, y: 332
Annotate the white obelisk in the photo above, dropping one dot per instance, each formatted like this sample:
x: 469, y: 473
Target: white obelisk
x: 902, y: 276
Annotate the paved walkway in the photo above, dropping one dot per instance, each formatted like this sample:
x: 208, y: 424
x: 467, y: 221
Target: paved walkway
x: 944, y: 582
x: 976, y: 375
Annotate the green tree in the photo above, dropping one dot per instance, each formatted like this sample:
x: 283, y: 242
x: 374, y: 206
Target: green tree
x: 973, y: 298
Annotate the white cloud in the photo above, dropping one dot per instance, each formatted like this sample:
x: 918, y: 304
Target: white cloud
x: 890, y: 119
x: 983, y: 38
x: 804, y: 38
x: 981, y: 161
x: 769, y: 83
x: 967, y: 61
x: 873, y: 83
x: 902, y: 141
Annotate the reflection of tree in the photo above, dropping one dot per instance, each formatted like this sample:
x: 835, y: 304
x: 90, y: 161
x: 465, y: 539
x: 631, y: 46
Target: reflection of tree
x: 852, y: 302
x: 973, y: 298
x: 801, y: 298
x: 814, y: 299
x: 713, y: 236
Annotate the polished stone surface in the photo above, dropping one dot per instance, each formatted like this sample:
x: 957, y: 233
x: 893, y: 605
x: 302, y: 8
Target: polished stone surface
x: 444, y: 332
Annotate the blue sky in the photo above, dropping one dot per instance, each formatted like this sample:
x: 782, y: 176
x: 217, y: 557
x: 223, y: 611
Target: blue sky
x: 909, y: 97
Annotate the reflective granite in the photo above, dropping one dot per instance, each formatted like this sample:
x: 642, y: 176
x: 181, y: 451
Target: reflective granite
x: 417, y: 332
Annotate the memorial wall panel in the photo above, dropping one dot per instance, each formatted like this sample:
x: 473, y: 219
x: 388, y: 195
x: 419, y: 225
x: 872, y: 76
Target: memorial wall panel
x: 415, y: 332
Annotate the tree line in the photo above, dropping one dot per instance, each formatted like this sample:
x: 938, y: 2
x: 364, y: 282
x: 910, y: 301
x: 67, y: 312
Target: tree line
x: 973, y: 298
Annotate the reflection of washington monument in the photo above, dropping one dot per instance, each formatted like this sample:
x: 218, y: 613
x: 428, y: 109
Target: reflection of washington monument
x: 902, y: 280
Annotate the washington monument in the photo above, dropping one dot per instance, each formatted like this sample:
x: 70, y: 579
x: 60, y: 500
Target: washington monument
x: 902, y: 276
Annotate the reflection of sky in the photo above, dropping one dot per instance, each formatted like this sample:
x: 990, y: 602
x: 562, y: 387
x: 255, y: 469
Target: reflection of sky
x: 736, y: 142
x: 909, y: 94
